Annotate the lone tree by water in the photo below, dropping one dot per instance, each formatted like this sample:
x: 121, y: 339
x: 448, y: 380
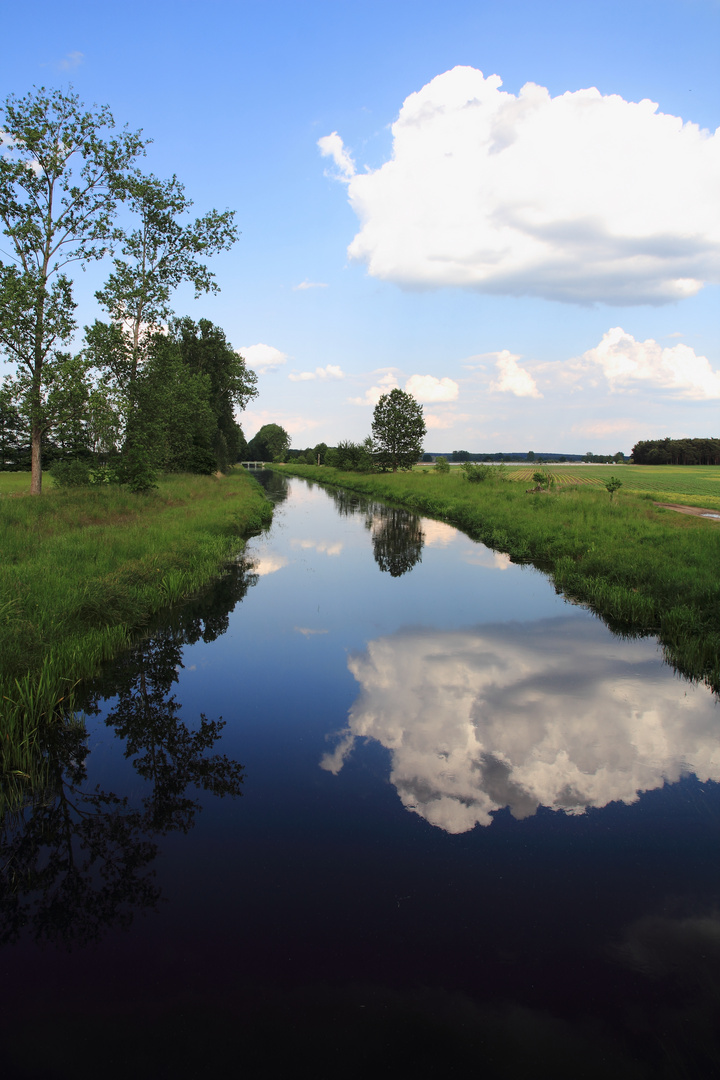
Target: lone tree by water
x: 398, y: 430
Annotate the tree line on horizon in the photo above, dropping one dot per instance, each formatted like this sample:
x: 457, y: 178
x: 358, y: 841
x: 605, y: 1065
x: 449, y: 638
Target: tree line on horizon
x: 677, y: 452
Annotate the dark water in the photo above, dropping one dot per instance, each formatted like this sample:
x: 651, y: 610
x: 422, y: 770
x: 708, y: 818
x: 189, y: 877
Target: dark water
x: 379, y: 803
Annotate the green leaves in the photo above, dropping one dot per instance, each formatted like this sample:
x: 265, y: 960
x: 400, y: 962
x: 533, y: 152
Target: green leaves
x: 398, y: 430
x: 160, y: 253
x: 613, y: 485
x: 62, y: 170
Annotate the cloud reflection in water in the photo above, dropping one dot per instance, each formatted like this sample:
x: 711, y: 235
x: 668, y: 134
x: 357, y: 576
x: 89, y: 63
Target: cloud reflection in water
x: 552, y: 713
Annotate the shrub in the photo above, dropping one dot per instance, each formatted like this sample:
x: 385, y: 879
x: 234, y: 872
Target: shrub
x: 441, y: 465
x: 612, y: 485
x: 476, y: 473
x: 543, y: 480
x: 71, y: 474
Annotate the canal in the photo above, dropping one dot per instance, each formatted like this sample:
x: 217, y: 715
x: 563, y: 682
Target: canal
x: 378, y: 802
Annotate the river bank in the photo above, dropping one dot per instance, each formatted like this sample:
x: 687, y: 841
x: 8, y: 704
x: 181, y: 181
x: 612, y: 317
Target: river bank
x: 641, y: 567
x: 83, y: 570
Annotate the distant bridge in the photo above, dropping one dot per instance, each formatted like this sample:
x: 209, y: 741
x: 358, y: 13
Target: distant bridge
x: 253, y: 464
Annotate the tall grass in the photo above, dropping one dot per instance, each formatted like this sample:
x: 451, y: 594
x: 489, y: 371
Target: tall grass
x: 82, y: 571
x: 643, y: 568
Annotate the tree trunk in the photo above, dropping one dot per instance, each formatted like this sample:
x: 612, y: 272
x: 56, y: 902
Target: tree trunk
x: 36, y: 426
x: 36, y: 458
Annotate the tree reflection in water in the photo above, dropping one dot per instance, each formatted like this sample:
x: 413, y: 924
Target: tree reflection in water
x: 397, y: 539
x: 397, y: 536
x: 76, y: 862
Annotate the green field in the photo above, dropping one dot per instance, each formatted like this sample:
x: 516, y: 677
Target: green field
x: 694, y: 485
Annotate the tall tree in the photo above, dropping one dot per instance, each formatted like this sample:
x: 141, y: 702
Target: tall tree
x: 271, y: 443
x: 398, y: 430
x: 62, y: 169
x: 159, y: 254
x: 231, y: 384
x: 171, y: 425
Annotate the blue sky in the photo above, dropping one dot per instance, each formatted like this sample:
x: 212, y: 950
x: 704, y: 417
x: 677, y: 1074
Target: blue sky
x: 539, y: 266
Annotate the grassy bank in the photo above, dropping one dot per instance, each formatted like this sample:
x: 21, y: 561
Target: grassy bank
x: 83, y: 570
x: 643, y: 568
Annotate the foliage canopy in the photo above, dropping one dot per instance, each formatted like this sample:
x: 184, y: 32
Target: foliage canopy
x: 398, y: 430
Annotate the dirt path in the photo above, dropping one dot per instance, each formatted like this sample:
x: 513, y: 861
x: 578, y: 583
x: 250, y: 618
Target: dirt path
x: 696, y: 511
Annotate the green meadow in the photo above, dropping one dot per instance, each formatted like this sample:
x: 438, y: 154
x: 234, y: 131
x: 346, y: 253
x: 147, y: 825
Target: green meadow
x: 643, y: 568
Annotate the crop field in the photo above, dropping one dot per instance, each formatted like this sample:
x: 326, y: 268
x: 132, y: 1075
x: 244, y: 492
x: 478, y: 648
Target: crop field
x: 696, y: 485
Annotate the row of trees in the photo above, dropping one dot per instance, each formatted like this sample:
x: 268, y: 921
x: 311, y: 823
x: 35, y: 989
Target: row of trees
x: 159, y: 391
x: 464, y: 455
x: 177, y: 415
x: 677, y: 452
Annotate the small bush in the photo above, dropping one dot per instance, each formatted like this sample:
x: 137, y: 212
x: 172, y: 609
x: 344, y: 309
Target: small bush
x: 441, y: 465
x: 71, y: 474
x: 613, y: 485
x: 543, y: 480
x: 476, y: 473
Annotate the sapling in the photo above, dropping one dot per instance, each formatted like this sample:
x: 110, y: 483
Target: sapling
x: 612, y: 485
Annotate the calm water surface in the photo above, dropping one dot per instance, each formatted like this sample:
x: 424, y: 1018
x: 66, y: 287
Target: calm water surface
x: 379, y: 802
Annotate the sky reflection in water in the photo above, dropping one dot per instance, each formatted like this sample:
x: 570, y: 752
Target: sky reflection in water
x: 523, y: 715
x: 550, y: 711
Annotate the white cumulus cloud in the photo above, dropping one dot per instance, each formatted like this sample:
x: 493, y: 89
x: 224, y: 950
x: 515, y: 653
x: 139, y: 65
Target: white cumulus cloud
x: 512, y: 379
x: 269, y: 564
x: 253, y: 420
x: 330, y: 371
x: 262, y: 357
x: 323, y: 546
x: 582, y: 197
x: 373, y: 394
x: 332, y: 146
x: 430, y: 389
x: 525, y: 715
x: 444, y: 421
x: 438, y: 534
x: 628, y: 364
